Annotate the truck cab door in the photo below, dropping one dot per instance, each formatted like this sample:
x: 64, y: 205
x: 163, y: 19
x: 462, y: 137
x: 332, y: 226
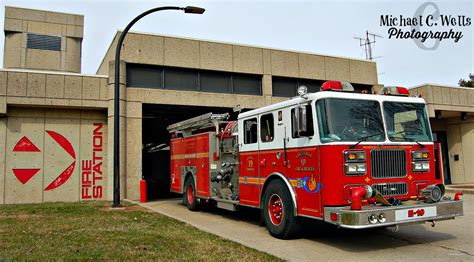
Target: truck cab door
x: 303, y: 156
x: 272, y: 144
x: 249, y: 180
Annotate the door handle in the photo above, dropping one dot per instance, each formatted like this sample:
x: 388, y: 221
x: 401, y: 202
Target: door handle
x: 263, y: 162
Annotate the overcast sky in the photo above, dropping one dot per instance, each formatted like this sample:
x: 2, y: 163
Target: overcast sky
x: 323, y: 27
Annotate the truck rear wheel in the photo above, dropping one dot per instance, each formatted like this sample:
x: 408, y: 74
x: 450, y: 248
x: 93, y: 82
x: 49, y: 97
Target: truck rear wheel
x: 189, y: 195
x: 278, y: 211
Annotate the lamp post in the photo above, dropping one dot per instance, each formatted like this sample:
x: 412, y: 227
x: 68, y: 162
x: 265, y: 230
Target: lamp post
x: 188, y: 10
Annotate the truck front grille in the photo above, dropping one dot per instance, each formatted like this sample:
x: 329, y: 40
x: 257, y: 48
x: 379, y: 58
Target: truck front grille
x: 391, y: 189
x: 388, y: 163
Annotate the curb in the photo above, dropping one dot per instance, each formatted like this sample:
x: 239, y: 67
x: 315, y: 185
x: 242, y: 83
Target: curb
x: 463, y: 190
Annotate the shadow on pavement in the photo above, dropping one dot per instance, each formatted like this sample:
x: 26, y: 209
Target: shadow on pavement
x: 364, y: 240
x: 361, y: 240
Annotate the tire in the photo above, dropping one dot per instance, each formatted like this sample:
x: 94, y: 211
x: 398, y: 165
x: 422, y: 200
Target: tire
x: 278, y: 211
x: 189, y: 194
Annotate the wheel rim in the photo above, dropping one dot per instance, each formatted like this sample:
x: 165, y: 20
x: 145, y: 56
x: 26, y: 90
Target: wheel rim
x: 275, y: 209
x: 190, y: 194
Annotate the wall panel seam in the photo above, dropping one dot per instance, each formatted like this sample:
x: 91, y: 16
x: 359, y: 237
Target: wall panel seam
x: 5, y: 161
x: 43, y: 168
x: 462, y: 154
x: 79, y: 163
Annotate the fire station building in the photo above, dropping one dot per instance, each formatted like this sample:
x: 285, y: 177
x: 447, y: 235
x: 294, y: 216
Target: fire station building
x: 56, y: 124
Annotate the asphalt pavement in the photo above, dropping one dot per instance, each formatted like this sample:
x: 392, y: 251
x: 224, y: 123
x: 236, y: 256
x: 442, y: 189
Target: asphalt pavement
x: 451, y: 240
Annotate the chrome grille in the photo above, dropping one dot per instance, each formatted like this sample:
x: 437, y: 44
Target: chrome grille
x: 391, y: 189
x: 388, y: 163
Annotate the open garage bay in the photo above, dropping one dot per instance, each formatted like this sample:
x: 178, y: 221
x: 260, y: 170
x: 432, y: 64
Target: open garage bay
x: 156, y: 141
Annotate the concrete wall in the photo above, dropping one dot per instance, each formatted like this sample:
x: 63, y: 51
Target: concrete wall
x: 20, y: 21
x: 77, y: 101
x: 191, y: 53
x: 37, y: 105
x: 461, y: 142
x: 450, y: 101
x: 52, y: 155
x: 3, y: 136
x: 446, y: 98
x: 37, y: 88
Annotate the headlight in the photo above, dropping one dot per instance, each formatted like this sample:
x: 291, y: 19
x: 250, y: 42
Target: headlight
x: 425, y: 166
x: 420, y: 155
x: 373, y: 219
x: 382, y: 218
x: 355, y: 168
x: 421, y: 166
x: 355, y: 162
x: 420, y: 160
x: 355, y: 156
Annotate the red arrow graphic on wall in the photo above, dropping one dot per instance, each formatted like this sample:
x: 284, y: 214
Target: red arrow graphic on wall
x: 63, y: 142
x: 25, y: 174
x: 25, y: 145
x: 62, y: 178
x: 67, y: 173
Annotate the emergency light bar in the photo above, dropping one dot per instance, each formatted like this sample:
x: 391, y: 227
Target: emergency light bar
x: 394, y: 90
x: 337, y: 86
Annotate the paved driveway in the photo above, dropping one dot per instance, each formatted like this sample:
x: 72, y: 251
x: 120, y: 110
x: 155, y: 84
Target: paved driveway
x: 451, y: 240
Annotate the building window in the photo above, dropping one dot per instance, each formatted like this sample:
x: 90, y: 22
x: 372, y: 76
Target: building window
x: 286, y: 87
x: 215, y: 82
x: 250, y: 131
x: 247, y: 84
x: 148, y: 76
x: 44, y: 42
x: 267, y: 133
x: 180, y: 79
x: 144, y: 76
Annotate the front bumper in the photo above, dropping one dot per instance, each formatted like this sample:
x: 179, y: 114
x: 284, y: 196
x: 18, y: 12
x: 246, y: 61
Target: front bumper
x: 409, y: 212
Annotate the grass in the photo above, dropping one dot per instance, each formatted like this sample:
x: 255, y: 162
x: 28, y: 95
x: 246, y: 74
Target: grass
x: 92, y: 231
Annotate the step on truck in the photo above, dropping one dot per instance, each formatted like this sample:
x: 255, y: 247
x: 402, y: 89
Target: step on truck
x: 355, y: 160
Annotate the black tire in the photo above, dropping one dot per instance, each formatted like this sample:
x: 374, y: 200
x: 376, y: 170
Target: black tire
x: 288, y: 225
x: 189, y: 198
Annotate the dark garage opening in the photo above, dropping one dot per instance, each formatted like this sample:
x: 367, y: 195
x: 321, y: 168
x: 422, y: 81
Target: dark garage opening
x: 156, y: 141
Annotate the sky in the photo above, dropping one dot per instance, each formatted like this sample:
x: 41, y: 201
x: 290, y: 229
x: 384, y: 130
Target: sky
x: 322, y: 27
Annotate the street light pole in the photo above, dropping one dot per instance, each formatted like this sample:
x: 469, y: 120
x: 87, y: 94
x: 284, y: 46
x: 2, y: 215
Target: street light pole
x: 189, y: 10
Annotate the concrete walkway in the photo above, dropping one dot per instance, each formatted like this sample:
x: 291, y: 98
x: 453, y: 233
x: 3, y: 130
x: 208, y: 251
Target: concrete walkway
x: 322, y: 242
x: 464, y: 188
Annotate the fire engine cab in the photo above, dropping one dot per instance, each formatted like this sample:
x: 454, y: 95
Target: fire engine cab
x: 350, y: 159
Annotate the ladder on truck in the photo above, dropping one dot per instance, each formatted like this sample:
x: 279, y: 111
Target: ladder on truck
x: 208, y: 120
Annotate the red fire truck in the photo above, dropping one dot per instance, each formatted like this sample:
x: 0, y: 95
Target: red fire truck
x: 350, y: 159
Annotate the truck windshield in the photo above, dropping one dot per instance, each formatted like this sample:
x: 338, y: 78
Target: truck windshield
x: 406, y: 122
x: 349, y: 120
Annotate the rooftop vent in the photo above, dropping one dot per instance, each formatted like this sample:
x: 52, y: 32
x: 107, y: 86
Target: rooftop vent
x: 44, y: 42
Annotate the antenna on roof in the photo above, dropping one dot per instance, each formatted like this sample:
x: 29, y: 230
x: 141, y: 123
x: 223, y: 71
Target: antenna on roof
x: 368, y: 44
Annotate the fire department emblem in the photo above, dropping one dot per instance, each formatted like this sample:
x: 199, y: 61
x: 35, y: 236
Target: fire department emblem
x: 250, y: 167
x: 310, y: 184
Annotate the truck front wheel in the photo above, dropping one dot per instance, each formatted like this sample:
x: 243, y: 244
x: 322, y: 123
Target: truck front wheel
x: 189, y: 195
x: 278, y: 211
